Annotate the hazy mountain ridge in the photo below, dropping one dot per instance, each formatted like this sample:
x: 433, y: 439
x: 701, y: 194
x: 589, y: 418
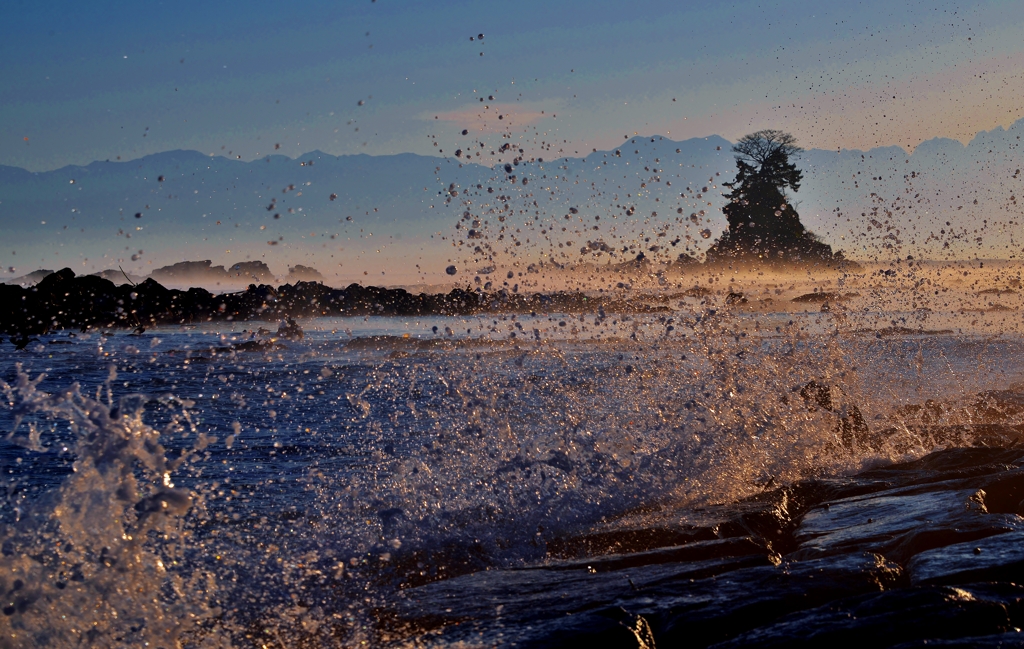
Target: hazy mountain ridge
x: 359, y: 205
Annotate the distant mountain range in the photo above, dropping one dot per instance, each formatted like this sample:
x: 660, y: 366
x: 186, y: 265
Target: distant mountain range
x: 364, y: 216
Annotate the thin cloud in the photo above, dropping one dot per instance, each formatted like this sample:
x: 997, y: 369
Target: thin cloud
x: 493, y: 118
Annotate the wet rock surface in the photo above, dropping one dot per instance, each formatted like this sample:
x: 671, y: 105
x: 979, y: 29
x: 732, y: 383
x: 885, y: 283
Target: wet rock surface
x: 929, y: 552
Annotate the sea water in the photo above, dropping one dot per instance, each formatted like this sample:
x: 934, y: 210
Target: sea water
x: 170, y: 489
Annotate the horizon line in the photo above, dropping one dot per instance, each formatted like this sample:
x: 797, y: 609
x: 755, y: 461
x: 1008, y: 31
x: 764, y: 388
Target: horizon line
x: 452, y: 158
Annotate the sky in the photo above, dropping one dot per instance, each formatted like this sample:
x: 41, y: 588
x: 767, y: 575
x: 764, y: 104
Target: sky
x: 119, y: 80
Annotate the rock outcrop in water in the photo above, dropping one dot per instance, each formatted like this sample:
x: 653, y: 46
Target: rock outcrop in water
x: 204, y: 272
x: 300, y: 273
x: 63, y: 300
x: 185, y: 272
x: 115, y: 275
x: 31, y: 279
x: 254, y: 271
x: 764, y: 227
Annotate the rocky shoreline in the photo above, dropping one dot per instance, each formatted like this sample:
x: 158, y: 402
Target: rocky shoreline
x: 63, y: 300
x: 929, y: 552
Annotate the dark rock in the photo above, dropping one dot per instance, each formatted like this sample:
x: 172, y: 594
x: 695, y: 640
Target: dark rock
x: 892, y: 556
x: 290, y: 330
x: 889, y: 618
x: 996, y: 558
x: 824, y: 296
x: 1006, y: 640
x: 63, y: 301
x: 872, y: 521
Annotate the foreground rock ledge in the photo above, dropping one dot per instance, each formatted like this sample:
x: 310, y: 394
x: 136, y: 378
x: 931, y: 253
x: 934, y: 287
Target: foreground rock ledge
x: 929, y: 552
x: 63, y: 300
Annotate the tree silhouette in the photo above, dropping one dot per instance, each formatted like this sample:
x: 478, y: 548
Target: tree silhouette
x: 763, y: 223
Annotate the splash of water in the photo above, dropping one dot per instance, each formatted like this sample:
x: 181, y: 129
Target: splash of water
x: 99, y: 560
x: 435, y: 456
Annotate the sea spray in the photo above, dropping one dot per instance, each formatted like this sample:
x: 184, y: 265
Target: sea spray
x: 362, y: 465
x: 523, y: 444
x: 100, y: 560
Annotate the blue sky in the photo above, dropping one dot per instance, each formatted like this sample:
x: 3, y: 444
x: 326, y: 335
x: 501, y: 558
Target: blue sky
x: 94, y: 81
